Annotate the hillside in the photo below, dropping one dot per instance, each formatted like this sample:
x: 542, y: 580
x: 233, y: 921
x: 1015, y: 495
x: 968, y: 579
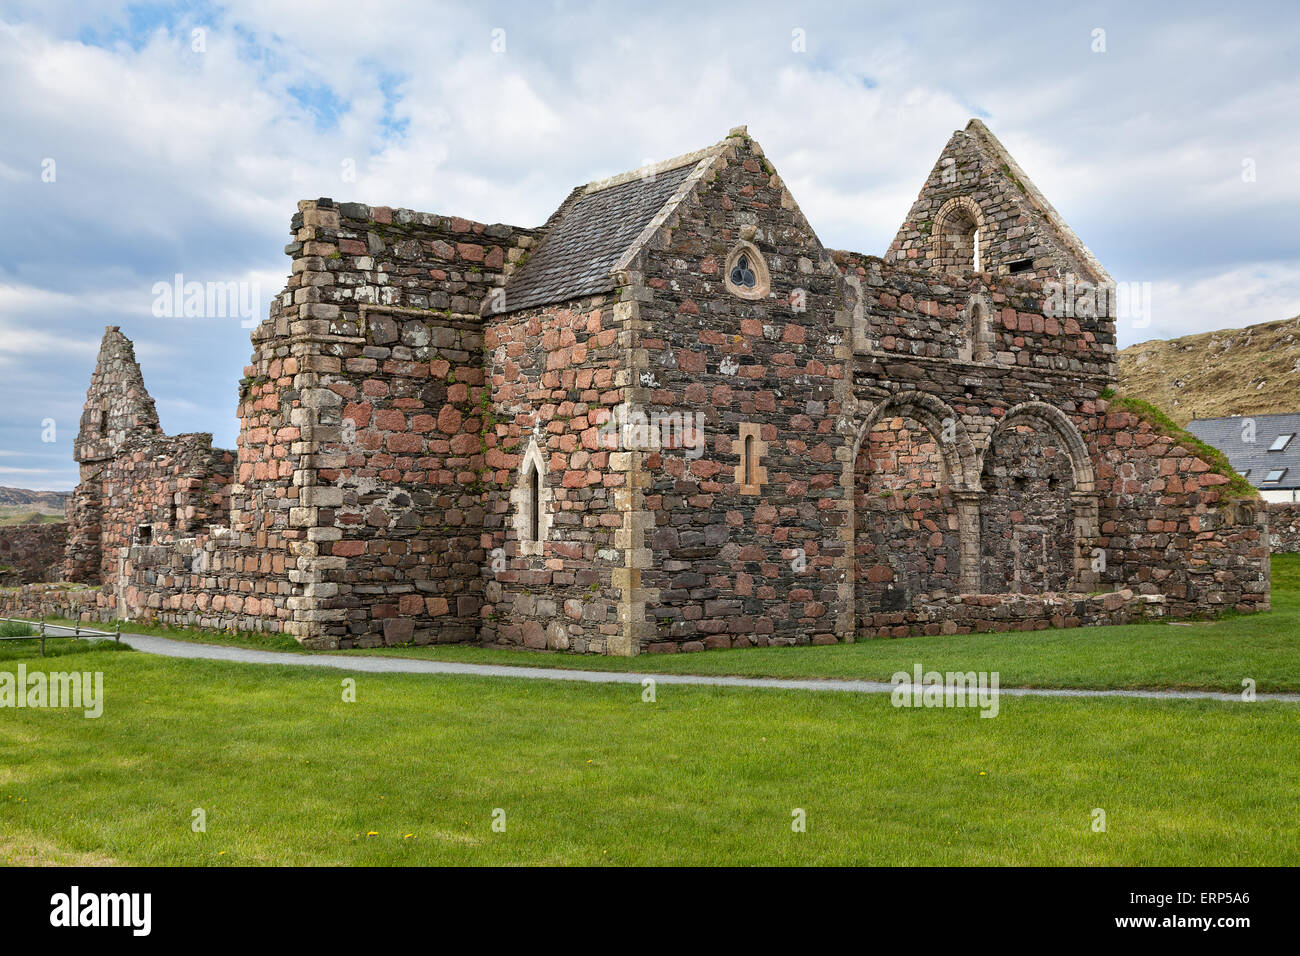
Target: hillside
x: 21, y: 506
x: 1255, y: 370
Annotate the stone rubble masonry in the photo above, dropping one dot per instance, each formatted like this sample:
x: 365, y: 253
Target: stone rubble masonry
x: 385, y: 468
x: 721, y: 567
x: 31, y: 553
x: 976, y: 183
x: 1284, y: 526
x: 554, y: 375
x: 933, y: 452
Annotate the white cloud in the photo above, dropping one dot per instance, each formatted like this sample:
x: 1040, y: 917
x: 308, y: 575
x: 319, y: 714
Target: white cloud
x: 171, y: 161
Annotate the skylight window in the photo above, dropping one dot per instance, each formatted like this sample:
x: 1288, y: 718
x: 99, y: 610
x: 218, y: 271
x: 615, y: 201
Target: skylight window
x: 1276, y: 474
x: 1281, y: 441
x: 1246, y: 473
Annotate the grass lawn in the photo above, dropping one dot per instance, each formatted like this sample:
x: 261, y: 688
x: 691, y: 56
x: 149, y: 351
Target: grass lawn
x: 1213, y: 655
x: 289, y: 773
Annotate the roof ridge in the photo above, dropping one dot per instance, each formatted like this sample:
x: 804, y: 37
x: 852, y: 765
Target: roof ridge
x: 663, y: 166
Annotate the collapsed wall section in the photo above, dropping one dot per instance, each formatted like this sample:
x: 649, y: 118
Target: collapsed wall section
x: 32, y: 552
x: 1174, y: 520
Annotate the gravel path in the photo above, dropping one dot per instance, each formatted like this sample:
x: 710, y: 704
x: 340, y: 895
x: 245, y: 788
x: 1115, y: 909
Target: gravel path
x: 166, y: 647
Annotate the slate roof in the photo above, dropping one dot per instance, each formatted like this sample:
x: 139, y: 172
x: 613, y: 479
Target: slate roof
x: 587, y: 236
x: 1226, y: 434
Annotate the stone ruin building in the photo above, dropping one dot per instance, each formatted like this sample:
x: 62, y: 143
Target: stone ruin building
x: 667, y: 419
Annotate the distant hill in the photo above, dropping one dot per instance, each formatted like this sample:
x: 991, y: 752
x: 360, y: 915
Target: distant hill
x: 21, y: 506
x: 1255, y: 370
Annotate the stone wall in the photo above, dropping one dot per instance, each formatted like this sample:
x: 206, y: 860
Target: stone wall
x: 32, y: 552
x: 1284, y: 527
x: 160, y: 489
x: 1004, y: 325
x: 34, y: 601
x: 554, y: 375
x: 744, y: 539
x: 1169, y: 522
x: 750, y: 440
x: 388, y: 465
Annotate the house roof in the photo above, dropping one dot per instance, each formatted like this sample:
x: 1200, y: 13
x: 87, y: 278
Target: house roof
x: 591, y: 235
x: 1229, y: 436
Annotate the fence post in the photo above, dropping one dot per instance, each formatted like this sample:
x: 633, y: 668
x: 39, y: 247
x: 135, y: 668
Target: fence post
x: 42, y: 635
x: 118, y: 630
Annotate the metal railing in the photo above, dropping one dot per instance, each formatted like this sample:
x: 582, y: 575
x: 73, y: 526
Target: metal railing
x: 77, y: 631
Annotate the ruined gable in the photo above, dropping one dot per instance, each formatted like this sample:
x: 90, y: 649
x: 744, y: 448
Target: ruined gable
x: 118, y: 407
x: 977, y: 201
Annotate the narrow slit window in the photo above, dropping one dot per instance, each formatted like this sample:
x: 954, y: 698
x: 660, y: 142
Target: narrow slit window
x: 103, y: 423
x: 534, y: 504
x: 1020, y: 265
x: 751, y: 462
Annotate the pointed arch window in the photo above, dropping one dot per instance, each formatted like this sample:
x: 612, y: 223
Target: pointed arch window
x: 531, y: 503
x: 534, y: 523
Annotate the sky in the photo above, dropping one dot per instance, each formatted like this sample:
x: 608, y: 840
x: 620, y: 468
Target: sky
x: 139, y: 142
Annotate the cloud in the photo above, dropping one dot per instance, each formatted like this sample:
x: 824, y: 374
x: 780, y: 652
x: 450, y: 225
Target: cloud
x: 174, y: 159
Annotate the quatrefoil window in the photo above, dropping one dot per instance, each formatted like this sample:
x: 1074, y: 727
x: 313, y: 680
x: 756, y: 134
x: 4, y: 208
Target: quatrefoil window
x: 742, y: 274
x: 746, y: 273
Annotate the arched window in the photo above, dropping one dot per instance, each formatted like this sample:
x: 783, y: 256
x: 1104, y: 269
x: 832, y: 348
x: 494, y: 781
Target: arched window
x: 981, y: 331
x: 534, y: 504
x: 750, y: 475
x: 530, y: 499
x: 959, y: 240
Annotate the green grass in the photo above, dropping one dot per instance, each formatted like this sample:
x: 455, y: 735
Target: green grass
x: 288, y: 773
x: 249, y: 639
x: 1204, y: 655
x: 10, y: 515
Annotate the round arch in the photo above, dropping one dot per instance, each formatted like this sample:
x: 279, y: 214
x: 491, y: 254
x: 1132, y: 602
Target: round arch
x: 959, y: 457
x: 952, y: 236
x: 1060, y: 424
